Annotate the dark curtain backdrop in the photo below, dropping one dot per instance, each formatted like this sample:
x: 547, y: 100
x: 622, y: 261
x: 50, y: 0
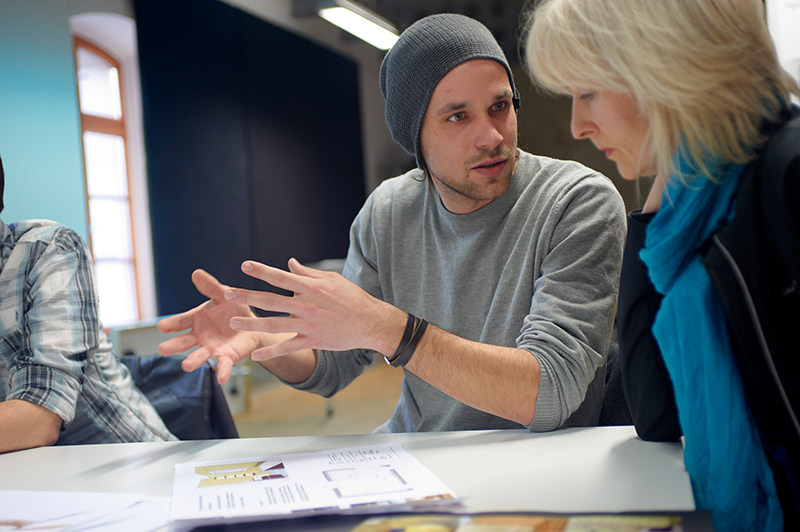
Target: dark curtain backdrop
x: 253, y: 145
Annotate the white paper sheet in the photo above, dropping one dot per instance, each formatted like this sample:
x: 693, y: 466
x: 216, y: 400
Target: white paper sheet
x: 352, y: 480
x: 80, y: 511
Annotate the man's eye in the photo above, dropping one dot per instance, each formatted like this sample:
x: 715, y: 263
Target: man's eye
x: 456, y: 117
x: 500, y: 106
x: 587, y: 96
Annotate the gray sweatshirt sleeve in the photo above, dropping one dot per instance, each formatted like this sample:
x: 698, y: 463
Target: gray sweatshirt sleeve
x: 574, y: 300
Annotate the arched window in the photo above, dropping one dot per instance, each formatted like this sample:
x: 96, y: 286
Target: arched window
x: 105, y: 153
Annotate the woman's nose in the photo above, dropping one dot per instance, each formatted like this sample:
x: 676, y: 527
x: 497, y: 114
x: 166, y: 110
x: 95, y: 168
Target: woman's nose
x: 580, y: 125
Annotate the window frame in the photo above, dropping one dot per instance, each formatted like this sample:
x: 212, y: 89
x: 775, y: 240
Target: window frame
x: 118, y: 128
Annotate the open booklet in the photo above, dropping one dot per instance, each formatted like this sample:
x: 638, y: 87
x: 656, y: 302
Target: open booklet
x: 369, y: 479
x: 524, y: 523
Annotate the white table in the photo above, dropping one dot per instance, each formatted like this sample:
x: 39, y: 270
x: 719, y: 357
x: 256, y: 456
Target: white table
x: 582, y: 470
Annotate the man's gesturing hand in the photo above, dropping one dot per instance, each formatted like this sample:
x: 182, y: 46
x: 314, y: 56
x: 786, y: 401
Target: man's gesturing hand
x: 325, y: 311
x: 209, y: 330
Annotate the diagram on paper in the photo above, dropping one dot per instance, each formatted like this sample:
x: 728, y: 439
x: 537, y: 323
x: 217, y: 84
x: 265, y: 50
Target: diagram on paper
x: 361, y: 482
x: 217, y: 474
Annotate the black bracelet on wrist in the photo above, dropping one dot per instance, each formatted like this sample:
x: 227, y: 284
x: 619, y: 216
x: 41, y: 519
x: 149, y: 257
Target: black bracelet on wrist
x: 415, y: 328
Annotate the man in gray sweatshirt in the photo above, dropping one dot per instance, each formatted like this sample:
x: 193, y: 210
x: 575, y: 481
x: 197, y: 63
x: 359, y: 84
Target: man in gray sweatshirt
x: 488, y: 274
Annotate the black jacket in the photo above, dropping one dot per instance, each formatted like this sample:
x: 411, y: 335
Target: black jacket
x: 754, y: 264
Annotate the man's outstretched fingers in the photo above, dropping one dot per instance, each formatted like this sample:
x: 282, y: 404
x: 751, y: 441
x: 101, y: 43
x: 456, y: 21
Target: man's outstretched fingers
x: 274, y: 276
x: 207, y: 284
x: 178, y: 344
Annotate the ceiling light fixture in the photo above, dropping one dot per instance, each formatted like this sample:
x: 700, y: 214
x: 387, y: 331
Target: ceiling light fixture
x: 360, y: 22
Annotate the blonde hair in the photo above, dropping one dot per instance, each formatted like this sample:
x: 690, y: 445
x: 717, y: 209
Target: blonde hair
x: 703, y: 72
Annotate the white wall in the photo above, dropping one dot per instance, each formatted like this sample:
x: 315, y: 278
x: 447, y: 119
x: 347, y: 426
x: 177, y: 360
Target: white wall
x: 783, y: 18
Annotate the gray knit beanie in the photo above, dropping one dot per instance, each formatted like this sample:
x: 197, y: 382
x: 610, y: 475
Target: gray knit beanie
x: 426, y: 51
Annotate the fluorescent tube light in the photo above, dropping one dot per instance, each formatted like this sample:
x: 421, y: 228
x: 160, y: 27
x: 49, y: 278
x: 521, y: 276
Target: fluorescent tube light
x: 360, y: 22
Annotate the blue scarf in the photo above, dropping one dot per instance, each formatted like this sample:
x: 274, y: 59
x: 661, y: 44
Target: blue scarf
x: 723, y: 453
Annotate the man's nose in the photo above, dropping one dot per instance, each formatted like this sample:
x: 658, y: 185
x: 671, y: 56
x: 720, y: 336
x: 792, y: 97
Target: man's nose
x: 489, y: 135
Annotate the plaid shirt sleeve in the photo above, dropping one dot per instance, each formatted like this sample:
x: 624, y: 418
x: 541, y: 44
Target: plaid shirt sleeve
x: 58, y: 324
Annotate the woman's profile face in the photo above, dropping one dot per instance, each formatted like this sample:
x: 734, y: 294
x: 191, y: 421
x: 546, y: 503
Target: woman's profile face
x: 616, y: 126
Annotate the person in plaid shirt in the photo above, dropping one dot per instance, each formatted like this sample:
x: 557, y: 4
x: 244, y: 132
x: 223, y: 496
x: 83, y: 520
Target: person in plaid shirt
x: 60, y: 382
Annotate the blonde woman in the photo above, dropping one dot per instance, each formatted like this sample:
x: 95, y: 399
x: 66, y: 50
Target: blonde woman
x: 691, y: 93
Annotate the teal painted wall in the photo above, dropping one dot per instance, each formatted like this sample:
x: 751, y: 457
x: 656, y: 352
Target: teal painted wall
x: 40, y: 141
